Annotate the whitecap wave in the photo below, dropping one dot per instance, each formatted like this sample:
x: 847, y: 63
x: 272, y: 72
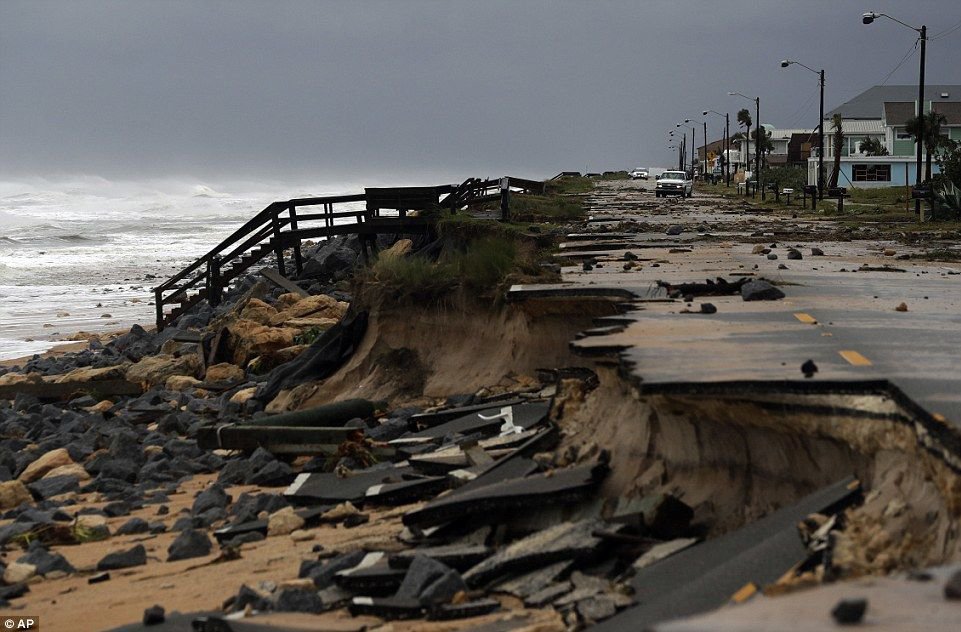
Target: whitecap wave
x: 202, y: 190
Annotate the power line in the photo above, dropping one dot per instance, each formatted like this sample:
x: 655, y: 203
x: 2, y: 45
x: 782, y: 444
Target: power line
x: 908, y: 54
x: 945, y: 32
x: 802, y: 111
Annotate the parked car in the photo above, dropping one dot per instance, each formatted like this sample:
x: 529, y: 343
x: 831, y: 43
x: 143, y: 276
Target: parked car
x: 638, y: 174
x: 674, y: 183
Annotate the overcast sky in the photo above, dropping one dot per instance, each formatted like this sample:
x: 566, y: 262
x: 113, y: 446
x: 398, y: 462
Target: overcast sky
x: 422, y: 89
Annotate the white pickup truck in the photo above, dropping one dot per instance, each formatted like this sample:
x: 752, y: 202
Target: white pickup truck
x: 674, y: 183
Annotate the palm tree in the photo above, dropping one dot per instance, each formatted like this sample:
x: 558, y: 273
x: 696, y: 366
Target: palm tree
x: 764, y: 143
x: 932, y: 135
x: 744, y: 118
x: 837, y: 127
x: 873, y: 147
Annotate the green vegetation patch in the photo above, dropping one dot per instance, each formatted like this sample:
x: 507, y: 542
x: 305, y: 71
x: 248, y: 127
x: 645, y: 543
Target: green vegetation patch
x: 569, y: 185
x: 475, y: 255
x: 541, y: 208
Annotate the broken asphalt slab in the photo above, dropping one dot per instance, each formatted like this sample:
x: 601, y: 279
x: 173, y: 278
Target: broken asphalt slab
x: 495, y: 420
x: 706, y: 576
x: 391, y: 485
x: 489, y: 503
x: 565, y: 542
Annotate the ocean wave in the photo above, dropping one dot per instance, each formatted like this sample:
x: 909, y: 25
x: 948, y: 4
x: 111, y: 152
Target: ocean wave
x: 50, y: 241
x: 202, y: 190
x: 75, y: 238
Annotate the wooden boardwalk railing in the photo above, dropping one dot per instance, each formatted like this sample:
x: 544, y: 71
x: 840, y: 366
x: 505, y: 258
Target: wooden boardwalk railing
x: 281, y: 226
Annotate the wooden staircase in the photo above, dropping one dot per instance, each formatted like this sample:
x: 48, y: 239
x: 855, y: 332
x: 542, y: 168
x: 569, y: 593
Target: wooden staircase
x: 281, y: 226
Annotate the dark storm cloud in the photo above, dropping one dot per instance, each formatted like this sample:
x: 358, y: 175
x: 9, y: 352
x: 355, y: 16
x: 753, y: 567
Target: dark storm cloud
x: 138, y: 88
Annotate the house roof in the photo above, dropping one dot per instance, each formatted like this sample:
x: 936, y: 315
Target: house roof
x: 898, y: 112
x: 857, y: 126
x: 868, y: 104
x: 951, y: 111
x: 786, y: 134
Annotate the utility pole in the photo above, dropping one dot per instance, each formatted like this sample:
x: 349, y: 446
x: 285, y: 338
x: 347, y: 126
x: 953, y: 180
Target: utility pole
x: 693, y: 159
x: 917, y: 179
x: 868, y: 18
x: 704, y: 173
x: 821, y: 143
x: 757, y: 148
x: 727, y: 149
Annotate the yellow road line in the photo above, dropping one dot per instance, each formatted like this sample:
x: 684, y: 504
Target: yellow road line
x: 807, y: 319
x: 747, y: 591
x: 855, y: 358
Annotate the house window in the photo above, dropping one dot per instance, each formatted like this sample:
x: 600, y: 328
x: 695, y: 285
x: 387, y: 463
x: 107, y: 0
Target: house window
x: 872, y: 173
x: 902, y: 135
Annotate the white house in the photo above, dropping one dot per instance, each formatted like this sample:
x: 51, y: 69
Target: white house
x: 881, y: 113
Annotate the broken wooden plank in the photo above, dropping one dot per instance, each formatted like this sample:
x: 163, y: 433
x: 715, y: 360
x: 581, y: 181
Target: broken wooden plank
x: 275, y: 277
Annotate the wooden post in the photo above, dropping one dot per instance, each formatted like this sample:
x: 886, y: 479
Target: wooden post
x: 907, y: 189
x: 505, y: 199
x: 158, y: 303
x: 298, y: 257
x: 213, y: 281
x: 278, y: 247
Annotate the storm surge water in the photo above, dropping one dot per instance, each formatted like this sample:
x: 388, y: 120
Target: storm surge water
x: 84, y: 254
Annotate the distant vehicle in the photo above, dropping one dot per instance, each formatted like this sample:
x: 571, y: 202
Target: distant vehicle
x: 638, y: 174
x: 674, y: 183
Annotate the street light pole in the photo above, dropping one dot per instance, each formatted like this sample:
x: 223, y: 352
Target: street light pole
x: 693, y: 143
x: 868, y: 18
x: 820, y: 180
x: 726, y: 145
x: 727, y: 149
x: 704, y: 173
x: 821, y: 142
x: 693, y: 148
x: 757, y: 148
x: 917, y: 178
